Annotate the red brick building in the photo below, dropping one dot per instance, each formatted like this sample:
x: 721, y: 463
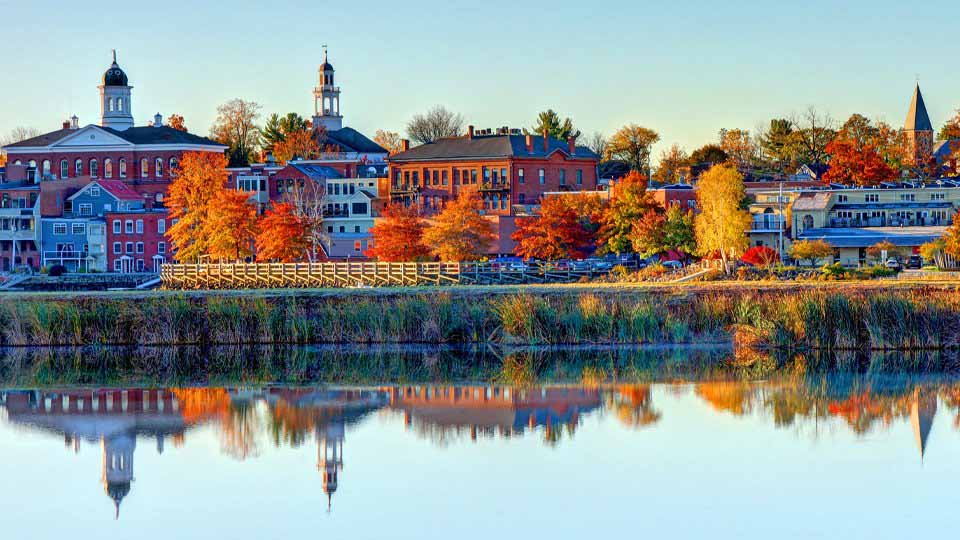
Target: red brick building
x: 506, y: 168
x: 136, y: 240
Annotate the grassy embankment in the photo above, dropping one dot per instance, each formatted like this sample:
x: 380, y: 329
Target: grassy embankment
x: 842, y: 317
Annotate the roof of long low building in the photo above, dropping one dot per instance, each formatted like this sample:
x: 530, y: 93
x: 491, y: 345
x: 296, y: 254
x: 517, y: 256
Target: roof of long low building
x: 134, y: 135
x: 489, y: 146
x: 869, y: 236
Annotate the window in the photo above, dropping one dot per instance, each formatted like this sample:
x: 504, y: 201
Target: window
x: 342, y: 229
x: 46, y: 168
x: 119, y: 104
x: 78, y: 168
x: 116, y: 226
x: 139, y: 226
x: 356, y: 246
x: 563, y: 177
x: 908, y: 197
x: 520, y: 175
x: 173, y: 165
x: 161, y: 226
x: 86, y: 209
x: 139, y: 265
x: 841, y: 198
x: 579, y: 177
x: 473, y: 176
x: 64, y: 169
x: 158, y: 171
x: 872, y: 197
x: 503, y: 175
x: 129, y: 247
x: 59, y: 228
x: 938, y: 196
x: 356, y: 228
x: 436, y: 177
x: 94, y: 168
x: 144, y: 168
x: 78, y: 228
x: 522, y: 198
x: 486, y: 175
x: 359, y: 208
x: 116, y: 265
x: 128, y: 226
x: 117, y: 248
x: 443, y: 177
x: 161, y: 247
x: 108, y: 168
x: 122, y: 166
x: 543, y: 176
x: 94, y: 191
x: 139, y: 247
x: 110, y: 104
x: 329, y: 228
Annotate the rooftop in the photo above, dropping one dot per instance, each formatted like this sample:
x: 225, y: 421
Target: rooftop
x: 496, y: 145
x: 868, y: 236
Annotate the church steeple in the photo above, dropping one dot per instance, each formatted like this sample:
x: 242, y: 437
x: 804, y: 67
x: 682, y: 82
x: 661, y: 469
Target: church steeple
x: 115, y: 94
x: 326, y: 98
x: 917, y: 118
x: 919, y: 131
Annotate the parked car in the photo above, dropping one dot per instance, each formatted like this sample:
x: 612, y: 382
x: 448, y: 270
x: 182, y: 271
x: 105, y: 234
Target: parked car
x: 673, y: 265
x: 893, y: 264
x: 915, y: 262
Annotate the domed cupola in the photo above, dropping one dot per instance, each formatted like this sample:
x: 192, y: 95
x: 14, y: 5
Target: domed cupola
x: 116, y: 107
x: 114, y: 76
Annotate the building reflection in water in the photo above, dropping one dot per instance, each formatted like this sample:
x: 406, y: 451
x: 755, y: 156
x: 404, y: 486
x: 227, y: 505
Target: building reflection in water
x: 116, y: 418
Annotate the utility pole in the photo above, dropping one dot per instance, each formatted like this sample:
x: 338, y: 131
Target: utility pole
x: 780, y: 228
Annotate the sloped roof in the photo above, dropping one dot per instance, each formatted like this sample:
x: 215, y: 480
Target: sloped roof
x: 116, y: 188
x: 917, y: 118
x: 488, y: 146
x: 811, y: 201
x: 316, y: 172
x: 135, y: 135
x: 352, y: 140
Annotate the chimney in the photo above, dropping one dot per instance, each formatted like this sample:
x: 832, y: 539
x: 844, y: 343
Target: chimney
x: 572, y: 145
x: 529, y: 143
x: 405, y: 145
x: 157, y: 120
x: 469, y: 132
x: 74, y: 122
x: 546, y: 141
x: 66, y: 124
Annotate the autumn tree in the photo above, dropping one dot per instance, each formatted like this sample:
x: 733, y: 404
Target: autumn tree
x: 198, y: 185
x: 597, y: 142
x: 389, y: 140
x: 398, y: 235
x: 657, y: 232
x: 236, y: 128
x: 232, y: 226
x: 882, y: 247
x: 811, y: 250
x: 859, y: 167
x: 812, y: 132
x: 934, y: 250
x: 722, y: 225
x: 307, y: 197
x: 301, y: 144
x: 678, y: 230
x: 739, y: 147
x: 646, y: 235
x: 176, y: 122
x: 281, y: 234
x: 437, y: 123
x: 629, y: 201
x: 760, y: 256
x: 277, y: 128
x: 951, y: 128
x: 951, y: 240
x: 559, y: 232
x: 459, y: 233
x: 672, y: 163
x: 632, y: 144
x: 549, y: 122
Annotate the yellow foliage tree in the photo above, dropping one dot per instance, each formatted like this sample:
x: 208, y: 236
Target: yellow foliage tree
x: 722, y: 225
x: 631, y: 144
x: 199, y: 183
x: 232, y: 226
x: 460, y: 233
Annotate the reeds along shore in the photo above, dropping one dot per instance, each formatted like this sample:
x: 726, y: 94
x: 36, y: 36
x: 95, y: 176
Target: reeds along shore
x: 838, y: 319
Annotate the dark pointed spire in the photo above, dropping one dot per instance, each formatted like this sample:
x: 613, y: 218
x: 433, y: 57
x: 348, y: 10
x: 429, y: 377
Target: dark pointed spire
x: 917, y: 118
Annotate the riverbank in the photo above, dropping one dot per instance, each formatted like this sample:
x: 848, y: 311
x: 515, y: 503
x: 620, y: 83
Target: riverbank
x: 784, y: 317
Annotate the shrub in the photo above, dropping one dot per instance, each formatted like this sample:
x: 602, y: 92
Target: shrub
x: 57, y: 270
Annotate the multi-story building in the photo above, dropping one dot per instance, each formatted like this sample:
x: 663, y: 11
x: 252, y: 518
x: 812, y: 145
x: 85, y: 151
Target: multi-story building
x: 136, y: 240
x: 853, y: 219
x: 19, y: 221
x: 504, y: 167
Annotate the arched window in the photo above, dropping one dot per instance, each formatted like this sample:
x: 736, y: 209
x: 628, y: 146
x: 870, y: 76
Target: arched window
x: 122, y: 164
x: 158, y: 197
x: 64, y: 169
x: 807, y: 222
x: 108, y: 168
x: 110, y: 104
x: 46, y: 168
x: 94, y: 168
x: 159, y: 167
x: 119, y: 104
x: 173, y: 166
x: 78, y: 168
x: 144, y: 168
x: 32, y: 164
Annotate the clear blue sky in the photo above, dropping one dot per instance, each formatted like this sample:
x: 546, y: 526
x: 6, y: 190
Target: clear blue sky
x: 684, y: 68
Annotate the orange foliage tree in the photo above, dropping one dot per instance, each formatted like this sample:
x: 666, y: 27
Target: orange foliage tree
x: 282, y: 234
x: 199, y: 183
x: 176, y: 122
x: 559, y: 232
x: 851, y: 165
x: 460, y: 233
x: 629, y: 201
x: 398, y: 236
x: 232, y: 224
x: 297, y: 144
x: 760, y: 256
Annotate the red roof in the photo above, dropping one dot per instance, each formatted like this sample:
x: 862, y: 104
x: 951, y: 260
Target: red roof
x: 119, y: 190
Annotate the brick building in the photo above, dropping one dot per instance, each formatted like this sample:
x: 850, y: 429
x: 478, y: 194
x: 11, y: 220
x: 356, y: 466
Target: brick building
x: 508, y: 170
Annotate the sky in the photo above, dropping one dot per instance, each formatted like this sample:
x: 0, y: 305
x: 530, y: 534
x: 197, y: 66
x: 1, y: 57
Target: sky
x: 684, y: 68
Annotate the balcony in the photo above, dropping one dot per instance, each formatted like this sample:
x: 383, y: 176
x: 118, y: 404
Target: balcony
x: 400, y: 189
x: 766, y: 223
x: 495, y: 186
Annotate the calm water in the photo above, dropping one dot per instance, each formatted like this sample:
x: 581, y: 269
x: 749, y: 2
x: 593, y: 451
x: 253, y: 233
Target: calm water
x: 573, y: 444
